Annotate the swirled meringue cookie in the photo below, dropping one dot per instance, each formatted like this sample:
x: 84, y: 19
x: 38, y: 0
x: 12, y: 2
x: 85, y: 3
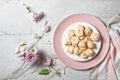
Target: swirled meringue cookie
x: 89, y: 52
x: 79, y: 33
x: 88, y: 31
x: 74, y: 40
x: 80, y: 27
x: 70, y: 49
x: 83, y: 55
x: 71, y: 32
x: 87, y: 38
x: 95, y: 37
x: 82, y: 45
x: 67, y: 42
x: 76, y: 51
x: 91, y: 44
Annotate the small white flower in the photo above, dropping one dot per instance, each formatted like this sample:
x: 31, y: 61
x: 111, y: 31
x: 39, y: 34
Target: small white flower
x: 23, y: 49
x: 19, y: 48
x: 46, y: 27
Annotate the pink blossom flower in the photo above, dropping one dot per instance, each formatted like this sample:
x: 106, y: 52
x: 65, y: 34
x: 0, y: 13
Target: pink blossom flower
x: 38, y: 16
x: 30, y: 57
x: 17, y: 51
x: 48, y: 61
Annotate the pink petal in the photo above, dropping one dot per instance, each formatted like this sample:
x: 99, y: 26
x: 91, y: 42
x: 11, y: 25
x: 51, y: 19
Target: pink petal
x: 30, y: 57
x: 38, y: 16
x: 47, y: 62
x: 17, y: 50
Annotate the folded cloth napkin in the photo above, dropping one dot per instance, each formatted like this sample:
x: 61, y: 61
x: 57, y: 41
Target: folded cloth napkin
x: 109, y: 69
x: 114, y: 31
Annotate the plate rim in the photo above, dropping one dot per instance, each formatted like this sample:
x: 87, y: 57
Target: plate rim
x: 101, y: 22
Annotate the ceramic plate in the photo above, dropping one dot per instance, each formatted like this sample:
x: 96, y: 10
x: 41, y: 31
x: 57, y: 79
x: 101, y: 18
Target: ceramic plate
x: 87, y: 18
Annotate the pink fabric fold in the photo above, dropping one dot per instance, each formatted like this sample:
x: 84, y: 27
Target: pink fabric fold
x: 110, y: 70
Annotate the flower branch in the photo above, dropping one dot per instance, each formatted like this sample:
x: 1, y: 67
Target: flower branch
x: 37, y: 15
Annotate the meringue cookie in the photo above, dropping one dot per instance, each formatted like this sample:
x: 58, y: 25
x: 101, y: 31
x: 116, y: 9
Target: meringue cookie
x: 79, y: 33
x: 87, y: 38
x: 76, y: 51
x: 95, y: 37
x: 82, y: 44
x: 70, y: 49
x: 71, y: 33
x: 88, y: 31
x: 83, y: 55
x: 91, y: 44
x: 89, y: 52
x: 74, y: 40
x: 68, y: 42
x: 80, y: 27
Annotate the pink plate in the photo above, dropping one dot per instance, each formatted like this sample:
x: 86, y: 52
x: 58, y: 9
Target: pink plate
x: 81, y: 18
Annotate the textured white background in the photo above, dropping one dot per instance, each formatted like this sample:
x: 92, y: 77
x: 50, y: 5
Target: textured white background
x: 14, y: 19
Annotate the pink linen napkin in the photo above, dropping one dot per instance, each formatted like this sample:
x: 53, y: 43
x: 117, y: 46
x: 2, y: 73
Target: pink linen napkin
x: 114, y: 52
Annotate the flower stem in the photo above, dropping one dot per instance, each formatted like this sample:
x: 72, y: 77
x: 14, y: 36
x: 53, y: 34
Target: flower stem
x: 32, y: 11
x: 54, y: 68
x: 57, y: 72
x: 28, y: 8
x: 46, y: 22
x: 49, y: 69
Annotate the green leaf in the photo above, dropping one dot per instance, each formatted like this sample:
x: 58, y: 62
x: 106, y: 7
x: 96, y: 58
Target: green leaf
x: 44, y: 72
x: 23, y: 44
x: 29, y: 9
x: 33, y: 50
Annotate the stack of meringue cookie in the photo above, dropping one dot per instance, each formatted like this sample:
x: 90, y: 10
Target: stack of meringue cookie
x: 81, y: 41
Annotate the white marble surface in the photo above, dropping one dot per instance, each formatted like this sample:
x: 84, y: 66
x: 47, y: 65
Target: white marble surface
x: 16, y: 25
